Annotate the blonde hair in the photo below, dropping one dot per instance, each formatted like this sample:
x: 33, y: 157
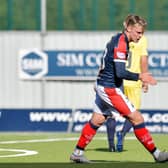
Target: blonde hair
x: 132, y: 19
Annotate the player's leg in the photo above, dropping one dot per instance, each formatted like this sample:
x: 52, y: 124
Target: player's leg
x: 121, y: 135
x: 111, y: 126
x: 126, y: 127
x: 89, y: 130
x: 144, y: 136
x: 134, y: 95
x: 125, y: 108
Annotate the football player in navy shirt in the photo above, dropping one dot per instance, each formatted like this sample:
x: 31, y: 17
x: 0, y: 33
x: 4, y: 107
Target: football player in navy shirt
x: 109, y: 95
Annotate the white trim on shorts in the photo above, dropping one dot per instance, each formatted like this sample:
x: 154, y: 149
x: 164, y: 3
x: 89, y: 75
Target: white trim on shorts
x: 102, y: 94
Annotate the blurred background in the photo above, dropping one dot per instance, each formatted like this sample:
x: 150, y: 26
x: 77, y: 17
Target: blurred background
x: 80, y: 14
x: 49, y: 56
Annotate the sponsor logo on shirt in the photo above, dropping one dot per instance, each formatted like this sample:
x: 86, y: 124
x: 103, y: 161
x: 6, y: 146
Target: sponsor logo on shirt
x: 121, y: 55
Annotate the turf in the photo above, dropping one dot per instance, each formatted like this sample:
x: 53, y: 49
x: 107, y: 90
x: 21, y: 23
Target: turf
x: 54, y: 152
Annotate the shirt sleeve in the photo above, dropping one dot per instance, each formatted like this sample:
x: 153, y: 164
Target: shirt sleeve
x: 120, y: 52
x: 122, y: 73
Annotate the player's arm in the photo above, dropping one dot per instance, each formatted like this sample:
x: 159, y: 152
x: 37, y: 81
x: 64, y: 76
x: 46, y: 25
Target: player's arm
x: 144, y: 61
x: 145, y: 76
x: 144, y: 68
x: 121, y: 72
x: 120, y: 57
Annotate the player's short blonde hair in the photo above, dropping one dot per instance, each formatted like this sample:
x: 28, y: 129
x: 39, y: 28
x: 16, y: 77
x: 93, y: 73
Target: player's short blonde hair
x: 132, y: 19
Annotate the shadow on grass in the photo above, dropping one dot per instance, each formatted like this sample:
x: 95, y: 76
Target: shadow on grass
x: 94, y: 164
x: 101, y: 150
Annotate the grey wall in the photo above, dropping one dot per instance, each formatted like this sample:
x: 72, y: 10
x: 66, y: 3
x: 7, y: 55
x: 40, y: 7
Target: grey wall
x: 16, y: 93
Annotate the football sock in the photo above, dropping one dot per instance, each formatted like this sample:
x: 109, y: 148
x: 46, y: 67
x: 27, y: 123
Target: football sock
x: 78, y: 152
x: 144, y: 137
x: 111, y: 126
x: 88, y: 132
x: 127, y: 126
x: 156, y: 153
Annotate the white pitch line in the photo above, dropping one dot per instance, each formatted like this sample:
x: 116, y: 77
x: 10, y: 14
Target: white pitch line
x: 54, y: 140
x: 23, y: 152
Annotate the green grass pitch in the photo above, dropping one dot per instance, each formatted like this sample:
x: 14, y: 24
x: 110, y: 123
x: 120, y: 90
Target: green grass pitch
x: 53, y: 150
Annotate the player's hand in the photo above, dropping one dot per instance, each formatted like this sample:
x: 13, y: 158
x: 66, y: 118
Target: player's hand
x: 146, y: 77
x: 145, y: 87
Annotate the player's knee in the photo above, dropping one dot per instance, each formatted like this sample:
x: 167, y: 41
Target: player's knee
x: 136, y: 118
x: 139, y: 119
x: 97, y: 119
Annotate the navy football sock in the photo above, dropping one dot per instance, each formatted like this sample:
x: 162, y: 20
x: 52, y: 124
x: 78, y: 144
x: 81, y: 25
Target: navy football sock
x: 111, y: 126
x: 127, y: 126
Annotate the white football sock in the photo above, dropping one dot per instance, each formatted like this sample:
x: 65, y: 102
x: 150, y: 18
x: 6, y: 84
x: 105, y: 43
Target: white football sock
x: 156, y: 153
x: 78, y: 152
